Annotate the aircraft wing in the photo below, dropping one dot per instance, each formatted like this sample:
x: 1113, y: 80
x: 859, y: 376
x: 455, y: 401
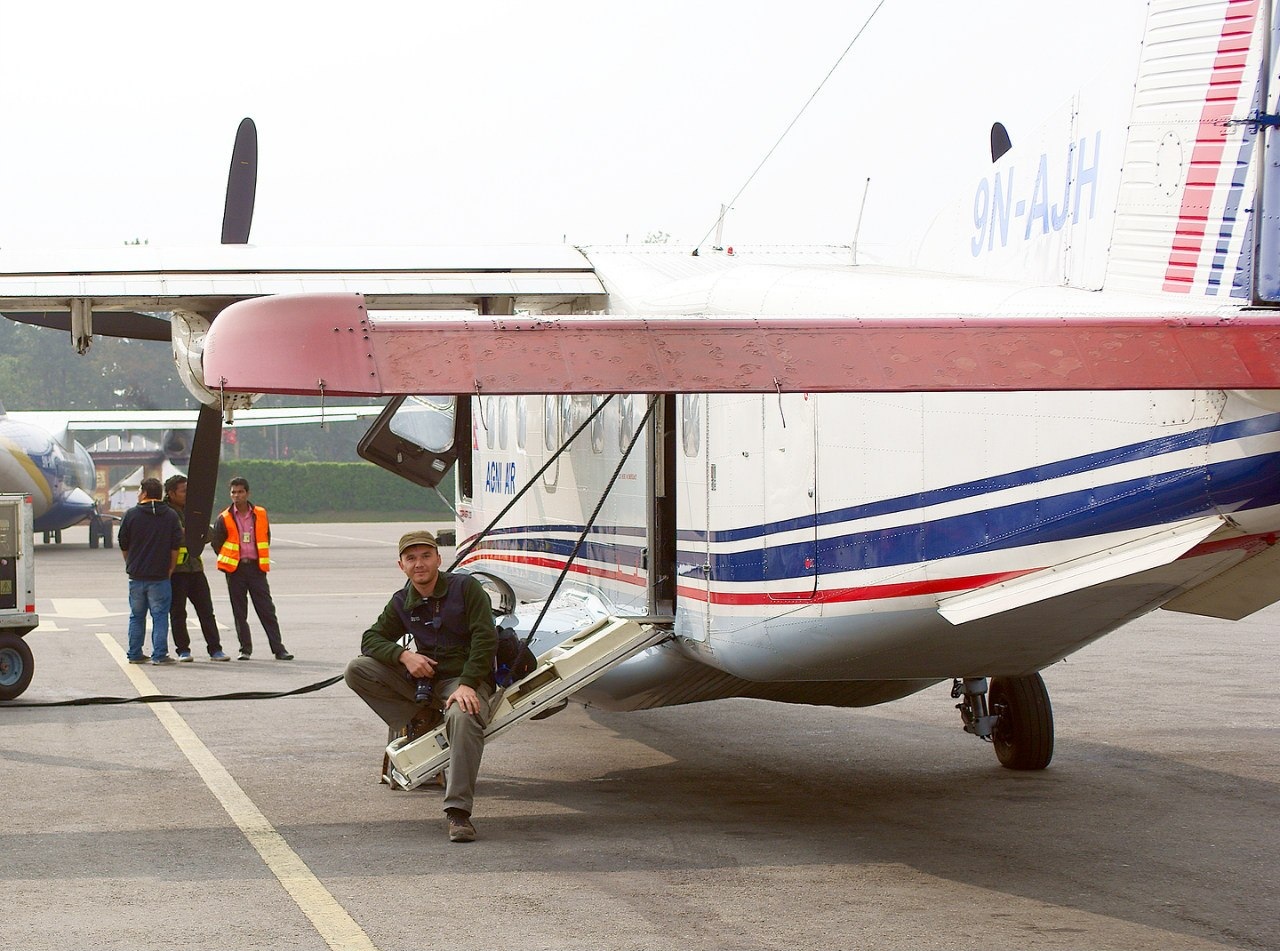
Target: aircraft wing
x: 1118, y: 561
x: 56, y: 421
x: 373, y: 322
x: 1236, y: 593
x: 340, y: 345
x: 205, y: 280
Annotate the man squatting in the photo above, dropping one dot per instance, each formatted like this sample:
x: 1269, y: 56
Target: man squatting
x: 454, y: 640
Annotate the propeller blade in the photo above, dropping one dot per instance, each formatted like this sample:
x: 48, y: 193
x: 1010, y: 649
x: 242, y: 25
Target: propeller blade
x: 202, y: 477
x: 242, y: 185
x: 106, y: 323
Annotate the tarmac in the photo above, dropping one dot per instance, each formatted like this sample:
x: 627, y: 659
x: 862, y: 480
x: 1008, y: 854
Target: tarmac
x: 731, y: 825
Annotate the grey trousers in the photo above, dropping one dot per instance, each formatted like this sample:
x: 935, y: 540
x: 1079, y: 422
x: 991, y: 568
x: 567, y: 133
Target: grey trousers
x: 389, y: 693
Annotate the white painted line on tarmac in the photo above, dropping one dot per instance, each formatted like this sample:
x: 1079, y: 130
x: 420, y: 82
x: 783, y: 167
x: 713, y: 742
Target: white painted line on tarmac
x: 338, y: 929
x: 82, y: 608
x: 350, y: 538
x: 277, y: 540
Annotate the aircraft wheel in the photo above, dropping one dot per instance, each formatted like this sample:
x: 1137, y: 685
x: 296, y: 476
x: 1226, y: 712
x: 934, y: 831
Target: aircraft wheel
x: 93, y: 535
x: 16, y: 666
x: 1023, y: 736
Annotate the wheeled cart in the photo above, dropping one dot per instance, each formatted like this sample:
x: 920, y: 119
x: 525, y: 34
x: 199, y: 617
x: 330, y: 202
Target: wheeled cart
x: 17, y: 594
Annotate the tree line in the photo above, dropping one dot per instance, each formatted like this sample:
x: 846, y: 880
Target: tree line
x: 40, y: 370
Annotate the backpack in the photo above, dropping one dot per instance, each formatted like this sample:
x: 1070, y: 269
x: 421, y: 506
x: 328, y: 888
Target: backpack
x: 513, y: 661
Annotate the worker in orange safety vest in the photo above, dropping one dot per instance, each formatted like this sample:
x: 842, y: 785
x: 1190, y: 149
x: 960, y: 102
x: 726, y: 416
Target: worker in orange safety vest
x: 242, y: 538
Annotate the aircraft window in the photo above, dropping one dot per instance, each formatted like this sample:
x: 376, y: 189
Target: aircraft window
x: 489, y: 422
x: 426, y: 421
x: 597, y: 426
x: 551, y: 422
x: 522, y: 423
x: 574, y: 409
x: 691, y: 423
x: 504, y: 422
x: 626, y: 421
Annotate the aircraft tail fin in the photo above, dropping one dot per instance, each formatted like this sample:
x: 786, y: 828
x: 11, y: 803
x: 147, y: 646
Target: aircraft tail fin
x: 1186, y: 218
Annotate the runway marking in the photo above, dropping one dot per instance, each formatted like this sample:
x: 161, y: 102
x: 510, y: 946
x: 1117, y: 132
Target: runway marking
x: 82, y: 608
x: 348, y: 538
x: 277, y: 540
x: 338, y: 929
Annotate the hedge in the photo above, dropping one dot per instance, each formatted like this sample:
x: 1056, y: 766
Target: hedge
x: 340, y: 491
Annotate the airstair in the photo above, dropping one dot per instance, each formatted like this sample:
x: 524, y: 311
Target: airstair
x: 562, y: 670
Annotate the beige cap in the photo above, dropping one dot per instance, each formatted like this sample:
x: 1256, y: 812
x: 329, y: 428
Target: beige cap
x: 409, y: 539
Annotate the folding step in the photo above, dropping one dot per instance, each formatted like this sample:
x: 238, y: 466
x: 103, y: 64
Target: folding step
x: 565, y: 668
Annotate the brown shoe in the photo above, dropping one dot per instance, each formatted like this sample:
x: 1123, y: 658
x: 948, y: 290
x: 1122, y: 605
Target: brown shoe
x: 460, y: 827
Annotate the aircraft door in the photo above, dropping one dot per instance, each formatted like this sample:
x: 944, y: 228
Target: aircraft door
x: 420, y: 437
x: 790, y: 510
x: 697, y: 461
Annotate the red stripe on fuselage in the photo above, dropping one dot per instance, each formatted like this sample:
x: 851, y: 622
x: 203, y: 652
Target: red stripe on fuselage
x: 1251, y: 544
x: 1206, y: 157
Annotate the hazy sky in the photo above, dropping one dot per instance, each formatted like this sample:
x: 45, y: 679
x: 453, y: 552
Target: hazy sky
x: 493, y: 122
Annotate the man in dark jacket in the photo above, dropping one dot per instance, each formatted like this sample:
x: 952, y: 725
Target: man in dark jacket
x: 190, y: 584
x: 149, y: 538
x: 454, y: 641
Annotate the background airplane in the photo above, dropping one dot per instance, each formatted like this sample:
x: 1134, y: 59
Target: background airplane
x: 42, y: 458
x: 55, y: 471
x: 901, y: 526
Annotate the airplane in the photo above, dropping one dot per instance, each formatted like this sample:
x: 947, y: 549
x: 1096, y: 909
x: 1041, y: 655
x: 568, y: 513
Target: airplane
x: 42, y: 458
x: 860, y: 480
x: 56, y: 471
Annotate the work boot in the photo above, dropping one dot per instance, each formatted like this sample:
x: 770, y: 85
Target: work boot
x: 460, y: 827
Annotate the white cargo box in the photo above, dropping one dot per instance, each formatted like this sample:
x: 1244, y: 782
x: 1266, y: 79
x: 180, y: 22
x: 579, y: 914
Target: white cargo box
x: 17, y: 565
x: 17, y: 594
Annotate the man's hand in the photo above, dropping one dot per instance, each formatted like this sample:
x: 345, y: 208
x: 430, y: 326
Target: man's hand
x: 466, y: 698
x: 420, y: 666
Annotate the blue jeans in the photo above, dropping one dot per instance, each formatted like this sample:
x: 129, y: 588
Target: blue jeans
x: 154, y: 597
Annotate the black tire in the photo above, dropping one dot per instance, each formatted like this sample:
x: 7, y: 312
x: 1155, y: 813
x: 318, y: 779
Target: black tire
x: 99, y: 531
x: 1023, y: 737
x: 16, y: 666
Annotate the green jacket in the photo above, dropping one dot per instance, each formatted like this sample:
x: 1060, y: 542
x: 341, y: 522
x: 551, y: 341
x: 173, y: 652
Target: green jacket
x: 473, y: 663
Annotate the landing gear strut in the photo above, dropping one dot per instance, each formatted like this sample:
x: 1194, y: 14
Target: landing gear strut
x: 99, y: 531
x: 1014, y: 715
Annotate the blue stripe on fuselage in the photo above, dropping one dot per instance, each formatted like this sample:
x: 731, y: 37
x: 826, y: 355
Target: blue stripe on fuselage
x: 1122, y: 506
x: 1016, y: 479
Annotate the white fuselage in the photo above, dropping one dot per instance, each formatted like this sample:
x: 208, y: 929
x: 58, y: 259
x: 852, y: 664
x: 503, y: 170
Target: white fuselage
x: 819, y: 533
